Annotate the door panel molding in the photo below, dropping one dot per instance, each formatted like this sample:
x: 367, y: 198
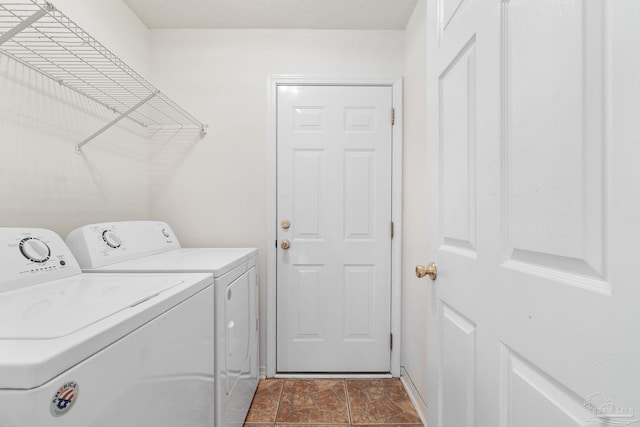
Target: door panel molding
x: 457, y: 366
x: 359, y: 125
x: 457, y: 148
x: 573, y: 151
x: 525, y: 385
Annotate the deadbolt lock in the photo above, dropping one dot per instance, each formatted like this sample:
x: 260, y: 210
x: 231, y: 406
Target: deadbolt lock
x: 285, y: 224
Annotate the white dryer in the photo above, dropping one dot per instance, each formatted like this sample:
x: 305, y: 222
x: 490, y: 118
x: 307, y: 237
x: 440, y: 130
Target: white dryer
x: 81, y: 350
x: 151, y: 246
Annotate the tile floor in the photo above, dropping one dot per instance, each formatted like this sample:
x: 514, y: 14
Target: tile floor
x: 334, y: 403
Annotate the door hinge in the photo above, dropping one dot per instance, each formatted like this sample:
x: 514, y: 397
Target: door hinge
x: 393, y: 116
x: 390, y: 341
x: 393, y: 231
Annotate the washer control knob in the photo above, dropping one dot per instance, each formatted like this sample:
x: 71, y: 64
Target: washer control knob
x: 165, y: 233
x: 35, y: 249
x: 111, y: 238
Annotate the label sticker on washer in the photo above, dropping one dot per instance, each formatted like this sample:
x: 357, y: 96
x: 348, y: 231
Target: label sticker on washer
x: 64, y: 398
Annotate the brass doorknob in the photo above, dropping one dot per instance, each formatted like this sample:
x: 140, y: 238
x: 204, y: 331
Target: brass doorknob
x: 285, y: 244
x: 431, y: 270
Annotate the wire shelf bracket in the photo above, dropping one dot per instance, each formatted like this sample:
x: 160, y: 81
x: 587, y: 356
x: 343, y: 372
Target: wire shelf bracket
x: 113, y: 122
x: 39, y: 36
x: 25, y: 23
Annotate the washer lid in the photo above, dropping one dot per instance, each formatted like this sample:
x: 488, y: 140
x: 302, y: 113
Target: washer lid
x: 217, y: 261
x: 62, y: 307
x: 46, y: 329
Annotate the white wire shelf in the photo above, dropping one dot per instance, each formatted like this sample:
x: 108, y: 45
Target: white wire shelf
x: 39, y: 36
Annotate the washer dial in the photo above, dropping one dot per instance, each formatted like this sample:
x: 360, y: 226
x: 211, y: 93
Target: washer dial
x: 35, y: 250
x: 112, y: 239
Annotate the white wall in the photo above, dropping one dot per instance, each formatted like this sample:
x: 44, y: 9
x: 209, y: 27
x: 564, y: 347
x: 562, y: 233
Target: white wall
x: 42, y: 181
x: 214, y: 193
x: 414, y: 290
x: 115, y: 26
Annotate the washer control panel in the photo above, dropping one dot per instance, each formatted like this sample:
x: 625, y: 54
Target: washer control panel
x: 99, y: 245
x: 29, y: 256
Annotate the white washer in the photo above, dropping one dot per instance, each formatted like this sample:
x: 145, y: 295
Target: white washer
x: 151, y: 246
x: 81, y: 350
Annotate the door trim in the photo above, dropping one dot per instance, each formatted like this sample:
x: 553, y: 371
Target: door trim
x: 396, y: 204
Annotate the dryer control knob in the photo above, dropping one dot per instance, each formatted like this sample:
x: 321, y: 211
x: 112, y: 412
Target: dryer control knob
x: 165, y: 233
x: 111, y: 238
x: 35, y: 249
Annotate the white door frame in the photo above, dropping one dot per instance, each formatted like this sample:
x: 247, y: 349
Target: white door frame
x: 396, y: 203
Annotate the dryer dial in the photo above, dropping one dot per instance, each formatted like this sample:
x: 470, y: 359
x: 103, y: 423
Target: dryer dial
x: 35, y: 249
x: 112, y: 239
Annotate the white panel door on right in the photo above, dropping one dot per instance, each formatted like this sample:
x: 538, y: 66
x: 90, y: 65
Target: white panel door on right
x: 334, y: 196
x: 534, y: 217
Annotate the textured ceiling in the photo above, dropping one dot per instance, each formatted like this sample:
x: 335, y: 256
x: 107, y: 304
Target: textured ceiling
x: 307, y: 14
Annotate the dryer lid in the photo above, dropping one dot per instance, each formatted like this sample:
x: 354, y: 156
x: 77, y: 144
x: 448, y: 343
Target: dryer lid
x: 217, y: 261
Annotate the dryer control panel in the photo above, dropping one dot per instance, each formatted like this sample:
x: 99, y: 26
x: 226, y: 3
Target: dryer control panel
x: 99, y: 245
x: 29, y: 256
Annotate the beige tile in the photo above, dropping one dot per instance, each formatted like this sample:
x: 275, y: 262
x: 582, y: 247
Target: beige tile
x: 313, y: 402
x: 265, y: 402
x: 380, y: 402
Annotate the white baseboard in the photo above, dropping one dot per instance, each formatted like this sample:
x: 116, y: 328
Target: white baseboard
x: 334, y: 376
x: 262, y: 372
x: 412, y: 391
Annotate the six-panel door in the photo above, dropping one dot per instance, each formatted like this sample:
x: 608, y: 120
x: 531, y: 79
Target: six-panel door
x: 334, y: 188
x: 533, y: 213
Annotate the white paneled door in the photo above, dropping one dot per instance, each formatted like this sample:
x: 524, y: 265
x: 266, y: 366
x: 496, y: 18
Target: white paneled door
x: 334, y: 210
x: 533, y: 144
